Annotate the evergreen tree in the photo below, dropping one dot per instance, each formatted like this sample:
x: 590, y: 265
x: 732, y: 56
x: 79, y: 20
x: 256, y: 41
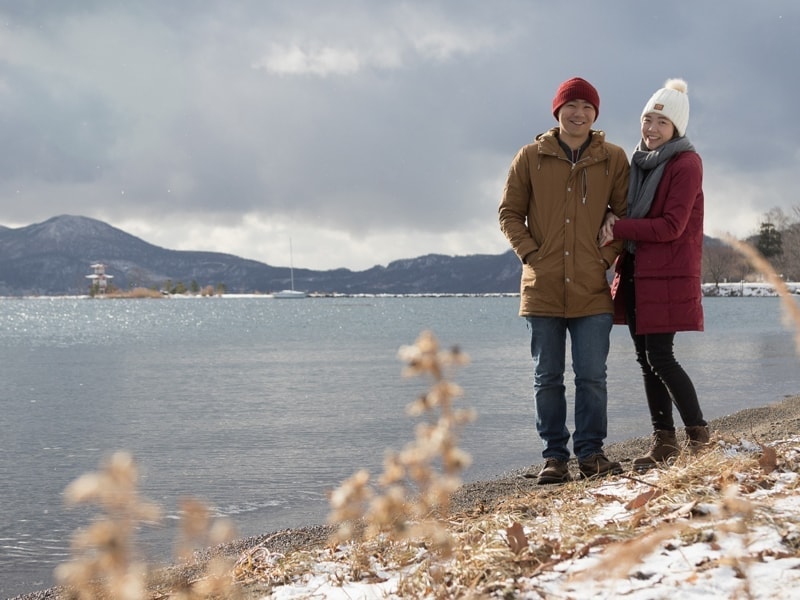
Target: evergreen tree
x: 769, y: 240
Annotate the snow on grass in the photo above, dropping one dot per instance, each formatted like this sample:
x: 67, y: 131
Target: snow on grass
x: 723, y: 524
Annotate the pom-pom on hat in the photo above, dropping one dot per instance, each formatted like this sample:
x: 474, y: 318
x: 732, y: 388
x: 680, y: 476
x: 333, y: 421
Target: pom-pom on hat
x: 672, y: 101
x: 576, y: 89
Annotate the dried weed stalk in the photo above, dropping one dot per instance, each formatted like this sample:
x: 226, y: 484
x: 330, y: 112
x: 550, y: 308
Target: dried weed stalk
x: 413, y: 493
x: 399, y: 521
x: 791, y: 311
x: 198, y: 530
x: 105, y: 563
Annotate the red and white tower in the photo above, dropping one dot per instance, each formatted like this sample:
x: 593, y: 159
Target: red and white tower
x: 99, y: 278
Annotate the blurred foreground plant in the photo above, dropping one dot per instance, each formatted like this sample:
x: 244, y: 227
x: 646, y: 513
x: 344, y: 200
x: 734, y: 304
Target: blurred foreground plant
x: 105, y: 564
x: 413, y: 493
x: 791, y: 311
x: 105, y: 561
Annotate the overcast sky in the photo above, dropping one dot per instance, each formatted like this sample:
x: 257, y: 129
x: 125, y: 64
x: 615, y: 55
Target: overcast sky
x: 367, y: 131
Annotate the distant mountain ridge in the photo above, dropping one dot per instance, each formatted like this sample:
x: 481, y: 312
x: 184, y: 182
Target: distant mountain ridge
x: 54, y: 257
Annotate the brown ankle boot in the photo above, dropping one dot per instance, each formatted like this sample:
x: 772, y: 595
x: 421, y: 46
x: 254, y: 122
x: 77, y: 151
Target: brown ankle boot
x: 664, y: 447
x: 697, y: 437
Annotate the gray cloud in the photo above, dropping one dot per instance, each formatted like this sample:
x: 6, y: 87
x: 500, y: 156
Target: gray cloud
x: 365, y: 131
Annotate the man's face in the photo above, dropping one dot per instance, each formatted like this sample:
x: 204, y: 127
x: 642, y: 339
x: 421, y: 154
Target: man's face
x: 576, y: 118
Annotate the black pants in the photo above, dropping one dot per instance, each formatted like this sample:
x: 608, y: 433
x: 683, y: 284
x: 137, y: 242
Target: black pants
x: 665, y: 381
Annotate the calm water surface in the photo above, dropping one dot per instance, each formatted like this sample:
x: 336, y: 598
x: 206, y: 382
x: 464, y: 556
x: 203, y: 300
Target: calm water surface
x: 259, y: 407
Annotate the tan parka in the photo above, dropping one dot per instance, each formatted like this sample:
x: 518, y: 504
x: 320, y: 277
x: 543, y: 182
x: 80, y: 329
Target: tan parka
x: 552, y: 210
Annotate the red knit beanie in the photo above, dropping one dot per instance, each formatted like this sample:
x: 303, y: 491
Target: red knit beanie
x: 576, y: 89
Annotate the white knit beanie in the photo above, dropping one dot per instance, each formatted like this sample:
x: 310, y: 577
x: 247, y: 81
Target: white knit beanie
x: 672, y: 101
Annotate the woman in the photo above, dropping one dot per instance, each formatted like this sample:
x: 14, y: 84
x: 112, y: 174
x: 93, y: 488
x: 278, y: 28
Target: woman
x: 656, y: 286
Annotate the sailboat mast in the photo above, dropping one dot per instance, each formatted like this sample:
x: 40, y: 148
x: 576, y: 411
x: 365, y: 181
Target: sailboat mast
x: 290, y: 293
x: 291, y: 263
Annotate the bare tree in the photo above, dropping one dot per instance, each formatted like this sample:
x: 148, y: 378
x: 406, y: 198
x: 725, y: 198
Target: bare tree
x: 778, y: 217
x: 787, y: 262
x: 721, y: 263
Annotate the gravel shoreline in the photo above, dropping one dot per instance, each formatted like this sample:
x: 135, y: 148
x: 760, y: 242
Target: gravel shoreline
x: 765, y: 423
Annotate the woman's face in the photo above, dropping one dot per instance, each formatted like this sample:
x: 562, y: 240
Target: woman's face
x: 657, y: 130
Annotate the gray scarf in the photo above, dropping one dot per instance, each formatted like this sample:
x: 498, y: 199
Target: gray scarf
x: 647, y: 167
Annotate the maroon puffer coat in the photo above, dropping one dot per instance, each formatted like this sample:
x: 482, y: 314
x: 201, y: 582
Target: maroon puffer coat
x: 669, y: 253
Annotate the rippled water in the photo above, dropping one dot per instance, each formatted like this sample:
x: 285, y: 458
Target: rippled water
x: 260, y: 406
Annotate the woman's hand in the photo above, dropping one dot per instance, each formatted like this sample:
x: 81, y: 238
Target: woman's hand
x: 606, y: 235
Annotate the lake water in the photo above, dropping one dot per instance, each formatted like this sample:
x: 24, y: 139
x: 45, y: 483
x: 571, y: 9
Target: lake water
x: 260, y: 406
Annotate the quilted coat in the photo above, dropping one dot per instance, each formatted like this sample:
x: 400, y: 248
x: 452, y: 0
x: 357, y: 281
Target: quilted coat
x: 552, y: 210
x: 669, y: 253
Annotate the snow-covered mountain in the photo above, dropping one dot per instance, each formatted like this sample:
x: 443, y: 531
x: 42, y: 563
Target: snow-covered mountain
x: 54, y: 257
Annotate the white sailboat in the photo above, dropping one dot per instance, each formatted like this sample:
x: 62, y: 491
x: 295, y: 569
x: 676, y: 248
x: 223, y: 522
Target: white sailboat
x: 290, y: 293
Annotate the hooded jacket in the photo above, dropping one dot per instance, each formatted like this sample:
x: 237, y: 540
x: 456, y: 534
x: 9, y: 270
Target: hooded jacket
x: 669, y: 253
x: 551, y: 211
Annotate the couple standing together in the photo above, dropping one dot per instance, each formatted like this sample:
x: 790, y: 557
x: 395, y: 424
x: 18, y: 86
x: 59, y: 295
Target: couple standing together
x: 572, y: 206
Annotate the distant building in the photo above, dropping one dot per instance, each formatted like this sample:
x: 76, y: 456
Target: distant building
x: 99, y: 278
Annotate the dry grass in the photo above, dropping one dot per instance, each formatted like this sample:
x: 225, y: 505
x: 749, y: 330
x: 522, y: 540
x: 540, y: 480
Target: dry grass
x: 137, y: 292
x: 501, y: 550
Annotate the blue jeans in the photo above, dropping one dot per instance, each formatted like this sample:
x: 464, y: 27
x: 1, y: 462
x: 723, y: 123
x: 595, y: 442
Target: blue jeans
x: 589, y: 338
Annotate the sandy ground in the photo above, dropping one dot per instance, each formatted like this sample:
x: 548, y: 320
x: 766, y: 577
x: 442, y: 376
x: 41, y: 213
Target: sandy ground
x: 766, y: 423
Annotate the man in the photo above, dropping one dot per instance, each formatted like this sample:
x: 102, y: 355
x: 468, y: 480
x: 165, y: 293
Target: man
x: 554, y: 201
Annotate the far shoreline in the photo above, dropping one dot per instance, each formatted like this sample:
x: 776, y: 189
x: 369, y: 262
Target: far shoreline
x: 710, y: 290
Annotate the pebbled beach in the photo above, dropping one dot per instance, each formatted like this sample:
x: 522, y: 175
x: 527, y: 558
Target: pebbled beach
x: 765, y: 423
